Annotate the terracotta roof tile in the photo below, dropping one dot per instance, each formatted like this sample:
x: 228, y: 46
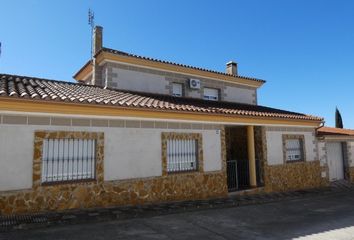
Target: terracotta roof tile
x: 334, y: 131
x: 22, y: 87
x: 117, y: 52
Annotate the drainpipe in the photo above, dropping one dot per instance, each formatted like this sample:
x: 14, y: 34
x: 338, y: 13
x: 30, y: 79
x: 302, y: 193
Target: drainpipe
x: 322, y: 124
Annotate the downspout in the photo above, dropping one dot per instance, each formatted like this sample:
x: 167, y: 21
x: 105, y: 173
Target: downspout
x: 321, y: 125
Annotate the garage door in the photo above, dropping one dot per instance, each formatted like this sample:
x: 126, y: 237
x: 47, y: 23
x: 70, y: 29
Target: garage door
x: 335, y: 161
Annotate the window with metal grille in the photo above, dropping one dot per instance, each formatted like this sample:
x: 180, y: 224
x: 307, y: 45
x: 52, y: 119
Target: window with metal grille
x: 177, y: 89
x: 182, y: 155
x: 211, y: 94
x: 68, y: 160
x: 294, y: 149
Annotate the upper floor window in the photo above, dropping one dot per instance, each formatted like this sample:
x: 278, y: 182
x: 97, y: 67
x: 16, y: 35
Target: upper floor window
x: 294, y: 148
x: 177, y: 89
x: 211, y: 94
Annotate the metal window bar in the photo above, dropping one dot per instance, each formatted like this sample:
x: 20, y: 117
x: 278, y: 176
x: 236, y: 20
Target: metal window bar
x: 181, y: 155
x: 68, y: 160
x: 293, y: 150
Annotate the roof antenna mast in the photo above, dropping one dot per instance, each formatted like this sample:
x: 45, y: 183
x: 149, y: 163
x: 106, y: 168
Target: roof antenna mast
x: 91, y: 22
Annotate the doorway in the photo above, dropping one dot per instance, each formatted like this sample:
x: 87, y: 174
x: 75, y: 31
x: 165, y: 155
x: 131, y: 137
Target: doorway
x: 238, y: 177
x: 335, y: 158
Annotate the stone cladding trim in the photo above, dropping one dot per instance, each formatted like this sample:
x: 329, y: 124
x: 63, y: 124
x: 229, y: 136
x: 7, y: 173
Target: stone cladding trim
x: 40, y: 136
x: 165, y: 136
x: 302, y: 143
x: 295, y: 176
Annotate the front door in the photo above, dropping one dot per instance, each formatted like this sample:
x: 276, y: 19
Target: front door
x: 335, y: 161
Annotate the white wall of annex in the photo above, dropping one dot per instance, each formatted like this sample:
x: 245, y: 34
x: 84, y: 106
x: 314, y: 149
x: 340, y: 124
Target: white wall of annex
x: 275, y: 146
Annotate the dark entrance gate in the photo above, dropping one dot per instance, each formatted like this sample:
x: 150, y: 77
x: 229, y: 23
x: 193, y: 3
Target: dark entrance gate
x: 238, y: 177
x: 232, y: 181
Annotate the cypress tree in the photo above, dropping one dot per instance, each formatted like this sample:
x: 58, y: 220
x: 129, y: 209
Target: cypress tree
x: 339, y: 121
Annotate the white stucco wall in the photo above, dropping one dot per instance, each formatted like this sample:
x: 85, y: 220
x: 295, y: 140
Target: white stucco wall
x: 128, y: 153
x: 16, y: 157
x: 132, y: 153
x: 140, y: 81
x: 275, y: 146
x: 138, y: 153
x: 212, y: 150
x: 241, y: 95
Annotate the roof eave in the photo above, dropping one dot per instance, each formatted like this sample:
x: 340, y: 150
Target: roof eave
x: 103, y: 55
x: 30, y: 105
x: 83, y: 71
x: 107, y: 56
x: 335, y: 137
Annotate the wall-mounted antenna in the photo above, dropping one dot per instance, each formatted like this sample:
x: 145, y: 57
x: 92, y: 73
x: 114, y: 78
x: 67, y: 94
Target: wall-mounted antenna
x: 0, y: 49
x: 91, y: 22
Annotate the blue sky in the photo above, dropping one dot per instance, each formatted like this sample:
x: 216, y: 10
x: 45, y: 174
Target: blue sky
x: 304, y: 49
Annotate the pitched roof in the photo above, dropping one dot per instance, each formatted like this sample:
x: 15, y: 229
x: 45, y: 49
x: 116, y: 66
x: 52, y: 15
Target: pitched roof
x: 117, y: 52
x: 334, y: 131
x: 22, y: 87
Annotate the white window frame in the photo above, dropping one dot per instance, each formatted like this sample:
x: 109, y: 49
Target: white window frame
x: 65, y: 160
x: 177, y: 89
x: 208, y: 95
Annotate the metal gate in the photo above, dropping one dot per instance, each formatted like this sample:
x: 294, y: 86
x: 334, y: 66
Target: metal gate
x: 232, y: 181
x: 238, y: 176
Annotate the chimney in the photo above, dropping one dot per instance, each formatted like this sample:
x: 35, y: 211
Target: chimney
x: 97, y: 45
x: 231, y: 68
x: 97, y: 39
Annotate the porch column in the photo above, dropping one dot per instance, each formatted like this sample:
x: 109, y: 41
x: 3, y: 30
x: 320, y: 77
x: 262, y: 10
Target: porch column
x: 251, y: 156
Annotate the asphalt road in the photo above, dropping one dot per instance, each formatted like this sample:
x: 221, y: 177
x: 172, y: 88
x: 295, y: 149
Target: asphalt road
x: 320, y: 217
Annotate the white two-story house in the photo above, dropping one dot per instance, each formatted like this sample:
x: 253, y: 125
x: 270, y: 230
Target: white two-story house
x: 138, y: 130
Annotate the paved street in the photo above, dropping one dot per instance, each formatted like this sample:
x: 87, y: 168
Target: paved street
x: 316, y: 217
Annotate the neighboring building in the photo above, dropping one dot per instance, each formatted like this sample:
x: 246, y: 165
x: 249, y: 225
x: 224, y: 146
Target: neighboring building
x: 137, y: 130
x: 336, y: 153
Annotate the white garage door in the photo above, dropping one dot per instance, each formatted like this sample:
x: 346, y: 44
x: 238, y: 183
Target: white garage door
x: 335, y: 161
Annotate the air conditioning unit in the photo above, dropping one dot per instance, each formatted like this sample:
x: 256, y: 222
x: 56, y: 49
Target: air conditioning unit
x: 194, y: 83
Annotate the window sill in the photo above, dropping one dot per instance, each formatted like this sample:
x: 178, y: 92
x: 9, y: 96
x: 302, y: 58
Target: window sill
x: 295, y: 161
x: 66, y: 182
x: 183, y: 172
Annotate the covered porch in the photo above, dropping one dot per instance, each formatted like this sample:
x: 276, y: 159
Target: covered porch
x: 244, y: 157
